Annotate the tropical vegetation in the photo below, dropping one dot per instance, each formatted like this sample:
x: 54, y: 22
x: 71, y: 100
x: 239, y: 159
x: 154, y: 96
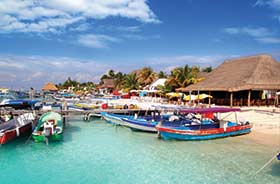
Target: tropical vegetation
x: 179, y: 77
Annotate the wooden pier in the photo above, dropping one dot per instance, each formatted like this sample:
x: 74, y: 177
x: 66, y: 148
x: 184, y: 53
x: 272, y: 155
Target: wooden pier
x: 85, y: 114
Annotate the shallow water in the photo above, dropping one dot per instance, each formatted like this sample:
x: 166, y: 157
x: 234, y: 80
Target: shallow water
x: 98, y: 152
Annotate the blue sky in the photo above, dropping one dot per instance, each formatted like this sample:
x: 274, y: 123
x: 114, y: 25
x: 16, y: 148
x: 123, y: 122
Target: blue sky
x: 49, y: 40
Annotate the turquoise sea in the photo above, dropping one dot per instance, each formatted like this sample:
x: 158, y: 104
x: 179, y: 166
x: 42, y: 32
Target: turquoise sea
x: 98, y: 152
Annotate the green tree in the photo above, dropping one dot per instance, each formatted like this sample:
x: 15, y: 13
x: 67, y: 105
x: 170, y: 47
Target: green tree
x: 146, y: 76
x: 162, y: 74
x: 111, y: 74
x: 119, y: 80
x: 207, y: 69
x: 70, y: 83
x: 130, y: 82
x: 165, y: 89
x: 182, y: 76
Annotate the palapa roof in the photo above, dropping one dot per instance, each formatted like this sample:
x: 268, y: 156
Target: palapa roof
x: 247, y: 73
x: 202, y: 75
x: 107, y: 83
x: 49, y: 87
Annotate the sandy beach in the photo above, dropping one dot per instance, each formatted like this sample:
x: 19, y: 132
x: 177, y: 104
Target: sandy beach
x: 266, y: 124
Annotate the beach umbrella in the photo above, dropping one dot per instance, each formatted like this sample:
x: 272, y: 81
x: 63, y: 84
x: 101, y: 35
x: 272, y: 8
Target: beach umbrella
x: 188, y: 97
x: 173, y: 94
x: 202, y: 96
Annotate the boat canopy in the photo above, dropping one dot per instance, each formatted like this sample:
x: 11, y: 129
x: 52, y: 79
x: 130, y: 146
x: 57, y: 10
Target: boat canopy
x: 209, y: 110
x: 49, y: 116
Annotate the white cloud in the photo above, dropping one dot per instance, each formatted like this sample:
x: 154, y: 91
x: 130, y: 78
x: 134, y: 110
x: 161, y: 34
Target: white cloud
x: 260, y: 34
x: 36, y: 70
x: 168, y: 63
x: 10, y: 64
x: 22, y: 71
x: 7, y: 77
x: 232, y: 30
x: 140, y: 37
x: 269, y: 40
x: 55, y: 15
x: 254, y: 32
x: 96, y: 41
x: 275, y: 4
x: 129, y: 28
x: 80, y: 27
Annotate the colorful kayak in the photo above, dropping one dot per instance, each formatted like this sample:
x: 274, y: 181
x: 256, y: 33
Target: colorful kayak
x: 208, y: 126
x: 49, y: 128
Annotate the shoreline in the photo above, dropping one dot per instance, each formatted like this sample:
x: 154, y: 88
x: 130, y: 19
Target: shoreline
x: 270, y: 139
x: 266, y: 125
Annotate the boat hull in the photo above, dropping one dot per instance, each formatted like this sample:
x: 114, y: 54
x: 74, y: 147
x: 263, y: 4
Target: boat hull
x: 13, y: 133
x: 113, y: 119
x: 53, y: 137
x: 140, y: 125
x: 169, y: 133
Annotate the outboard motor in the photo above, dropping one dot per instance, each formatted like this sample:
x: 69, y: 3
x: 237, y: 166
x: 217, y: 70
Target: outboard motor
x: 48, y: 128
x: 48, y: 131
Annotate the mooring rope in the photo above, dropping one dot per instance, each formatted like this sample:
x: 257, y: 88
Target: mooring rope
x: 267, y: 163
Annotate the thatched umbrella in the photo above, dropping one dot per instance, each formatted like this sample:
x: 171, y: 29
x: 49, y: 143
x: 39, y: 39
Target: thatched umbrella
x: 49, y: 86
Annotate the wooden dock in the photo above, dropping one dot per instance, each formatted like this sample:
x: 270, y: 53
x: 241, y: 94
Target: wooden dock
x: 85, y: 114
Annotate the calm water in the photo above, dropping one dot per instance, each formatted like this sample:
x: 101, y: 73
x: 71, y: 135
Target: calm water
x: 96, y: 152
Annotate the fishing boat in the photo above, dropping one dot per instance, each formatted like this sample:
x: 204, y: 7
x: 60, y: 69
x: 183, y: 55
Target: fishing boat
x: 9, y: 100
x: 141, y: 124
x: 145, y: 123
x: 49, y: 128
x: 115, y: 119
x: 16, y: 127
x: 202, y: 124
x: 278, y: 156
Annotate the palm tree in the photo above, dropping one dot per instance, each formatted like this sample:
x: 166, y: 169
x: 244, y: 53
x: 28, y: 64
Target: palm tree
x: 162, y: 74
x: 193, y: 75
x: 130, y: 82
x: 183, y: 76
x: 146, y: 76
x: 69, y: 83
x: 105, y: 76
x: 207, y: 69
x: 119, y: 80
x: 111, y: 74
x: 165, y: 89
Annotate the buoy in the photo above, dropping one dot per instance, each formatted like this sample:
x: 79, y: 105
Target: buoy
x: 104, y: 106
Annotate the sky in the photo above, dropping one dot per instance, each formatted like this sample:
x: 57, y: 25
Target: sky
x: 51, y: 40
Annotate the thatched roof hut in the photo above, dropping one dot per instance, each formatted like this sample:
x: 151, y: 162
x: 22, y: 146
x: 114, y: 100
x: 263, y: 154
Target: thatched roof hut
x: 107, y: 86
x: 108, y: 83
x: 253, y: 73
x: 49, y: 86
x: 259, y: 72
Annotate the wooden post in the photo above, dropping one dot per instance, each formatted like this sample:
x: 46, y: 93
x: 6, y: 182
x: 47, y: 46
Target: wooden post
x: 277, y: 100
x: 190, y: 102
x: 249, y: 98
x: 209, y: 99
x: 198, y: 97
x: 231, y: 99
